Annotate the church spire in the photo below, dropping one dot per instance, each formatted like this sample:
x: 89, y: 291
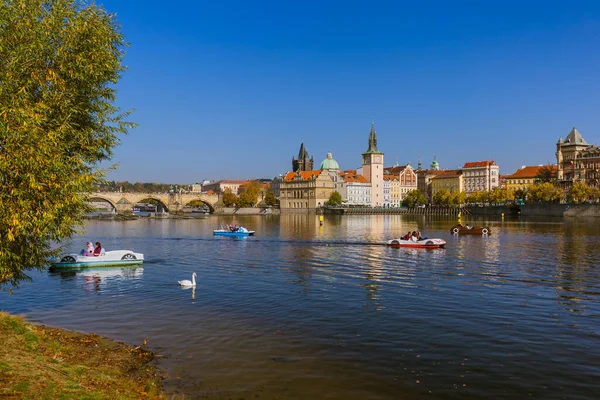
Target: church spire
x: 373, y: 141
x: 302, y: 152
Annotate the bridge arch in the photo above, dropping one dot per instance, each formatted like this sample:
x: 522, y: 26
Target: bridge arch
x: 141, y: 199
x: 204, y: 202
x: 96, y: 196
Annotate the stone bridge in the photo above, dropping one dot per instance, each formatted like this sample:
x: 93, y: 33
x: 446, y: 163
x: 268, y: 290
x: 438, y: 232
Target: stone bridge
x: 124, y: 202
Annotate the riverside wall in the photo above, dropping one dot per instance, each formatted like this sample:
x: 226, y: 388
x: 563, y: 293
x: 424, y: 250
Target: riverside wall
x: 247, y: 211
x: 542, y: 210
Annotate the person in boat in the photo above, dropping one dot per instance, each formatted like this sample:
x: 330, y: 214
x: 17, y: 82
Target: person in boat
x: 89, y: 250
x: 98, y: 250
x: 407, y: 236
x: 414, y: 237
x: 469, y: 226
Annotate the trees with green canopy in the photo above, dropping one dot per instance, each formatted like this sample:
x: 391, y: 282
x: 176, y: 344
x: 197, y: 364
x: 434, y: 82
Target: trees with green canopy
x: 59, y: 61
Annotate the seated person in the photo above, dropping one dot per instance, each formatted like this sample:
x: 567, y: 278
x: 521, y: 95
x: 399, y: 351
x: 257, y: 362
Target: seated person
x: 89, y: 250
x: 407, y: 236
x: 98, y: 251
x: 414, y: 236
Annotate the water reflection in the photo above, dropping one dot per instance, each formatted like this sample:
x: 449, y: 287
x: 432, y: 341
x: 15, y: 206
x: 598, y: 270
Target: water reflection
x: 193, y: 290
x: 96, y: 279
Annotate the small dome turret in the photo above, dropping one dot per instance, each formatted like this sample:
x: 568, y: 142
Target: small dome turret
x: 434, y: 164
x: 329, y: 163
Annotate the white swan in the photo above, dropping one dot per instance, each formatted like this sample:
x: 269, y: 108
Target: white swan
x: 189, y: 283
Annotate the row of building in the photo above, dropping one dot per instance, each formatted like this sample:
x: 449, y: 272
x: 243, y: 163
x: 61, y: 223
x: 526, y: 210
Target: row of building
x: 373, y: 184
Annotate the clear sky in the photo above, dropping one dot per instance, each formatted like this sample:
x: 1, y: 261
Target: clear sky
x: 230, y: 89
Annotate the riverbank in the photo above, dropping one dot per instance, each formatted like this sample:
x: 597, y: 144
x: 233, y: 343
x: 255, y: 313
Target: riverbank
x: 39, y: 362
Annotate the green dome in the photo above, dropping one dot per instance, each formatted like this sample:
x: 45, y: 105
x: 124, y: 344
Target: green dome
x: 434, y: 164
x: 329, y: 163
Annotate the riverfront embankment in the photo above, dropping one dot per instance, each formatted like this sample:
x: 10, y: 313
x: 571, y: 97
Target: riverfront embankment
x: 39, y: 362
x: 528, y: 210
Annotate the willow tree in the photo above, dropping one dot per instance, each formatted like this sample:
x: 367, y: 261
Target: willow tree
x: 59, y: 61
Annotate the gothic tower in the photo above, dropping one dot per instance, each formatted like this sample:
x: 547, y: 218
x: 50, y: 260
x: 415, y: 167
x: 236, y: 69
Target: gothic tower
x: 372, y: 165
x: 304, y: 162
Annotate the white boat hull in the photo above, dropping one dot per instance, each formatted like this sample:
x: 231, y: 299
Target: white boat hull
x: 418, y: 244
x: 108, y: 259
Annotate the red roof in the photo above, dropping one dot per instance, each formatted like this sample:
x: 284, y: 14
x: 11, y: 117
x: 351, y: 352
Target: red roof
x: 396, y: 169
x: 529, y: 172
x: 476, y: 164
x: 352, y: 176
x: 450, y: 173
x: 306, y: 175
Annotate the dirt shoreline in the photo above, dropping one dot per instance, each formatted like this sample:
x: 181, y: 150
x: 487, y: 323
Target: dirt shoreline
x: 37, y: 361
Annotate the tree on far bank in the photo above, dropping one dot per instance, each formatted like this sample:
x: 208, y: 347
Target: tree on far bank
x: 59, y: 61
x: 270, y: 199
x: 335, y: 199
x: 413, y: 198
x: 578, y: 193
x: 546, y: 174
x: 251, y: 190
x: 441, y: 197
x: 229, y: 199
x: 543, y: 193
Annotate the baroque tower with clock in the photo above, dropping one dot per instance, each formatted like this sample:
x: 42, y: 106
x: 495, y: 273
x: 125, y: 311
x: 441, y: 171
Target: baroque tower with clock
x: 372, y: 166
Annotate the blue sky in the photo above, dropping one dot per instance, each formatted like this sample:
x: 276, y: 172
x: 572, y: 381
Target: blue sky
x: 228, y: 90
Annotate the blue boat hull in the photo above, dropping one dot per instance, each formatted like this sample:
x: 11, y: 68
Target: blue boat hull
x: 233, y: 234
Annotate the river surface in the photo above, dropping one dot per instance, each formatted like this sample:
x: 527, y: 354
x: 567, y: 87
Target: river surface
x: 303, y: 311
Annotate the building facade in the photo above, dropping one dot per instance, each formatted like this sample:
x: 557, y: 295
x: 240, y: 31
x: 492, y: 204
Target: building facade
x: 424, y: 178
x: 450, y: 180
x: 480, y: 175
x: 220, y: 187
x: 356, y: 190
x: 522, y: 178
x: 577, y: 161
x: 406, y: 179
x: 305, y: 191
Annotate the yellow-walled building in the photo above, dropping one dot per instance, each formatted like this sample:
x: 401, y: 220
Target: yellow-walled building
x: 523, y: 177
x: 450, y: 180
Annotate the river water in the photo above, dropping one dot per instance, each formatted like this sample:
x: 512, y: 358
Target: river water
x: 326, y: 312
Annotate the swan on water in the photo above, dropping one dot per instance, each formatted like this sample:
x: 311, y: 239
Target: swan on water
x: 189, y: 283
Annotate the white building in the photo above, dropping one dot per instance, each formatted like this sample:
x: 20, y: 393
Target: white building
x: 480, y: 176
x: 355, y: 190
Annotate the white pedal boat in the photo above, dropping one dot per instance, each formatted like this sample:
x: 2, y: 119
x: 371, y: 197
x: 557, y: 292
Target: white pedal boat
x: 418, y: 244
x: 111, y: 258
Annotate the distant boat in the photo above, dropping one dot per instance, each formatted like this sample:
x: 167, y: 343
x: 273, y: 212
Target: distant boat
x: 241, y: 231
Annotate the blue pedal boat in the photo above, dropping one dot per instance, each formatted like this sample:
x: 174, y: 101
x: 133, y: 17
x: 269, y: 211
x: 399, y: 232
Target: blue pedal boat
x: 241, y: 231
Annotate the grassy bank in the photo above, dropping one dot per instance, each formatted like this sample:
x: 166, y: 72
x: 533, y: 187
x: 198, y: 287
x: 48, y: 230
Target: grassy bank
x: 38, y: 362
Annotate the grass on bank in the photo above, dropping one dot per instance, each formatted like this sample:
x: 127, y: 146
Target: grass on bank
x: 38, y: 362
